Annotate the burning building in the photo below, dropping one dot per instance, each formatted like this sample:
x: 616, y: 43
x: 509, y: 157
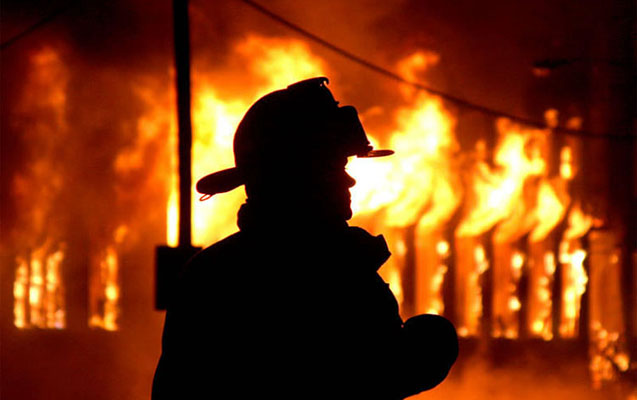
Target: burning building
x: 521, y: 233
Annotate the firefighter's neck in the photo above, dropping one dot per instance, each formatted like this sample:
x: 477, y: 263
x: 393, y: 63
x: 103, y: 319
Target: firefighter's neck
x: 300, y: 217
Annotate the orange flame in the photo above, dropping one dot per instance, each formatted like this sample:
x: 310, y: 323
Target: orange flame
x: 275, y: 63
x: 574, y: 277
x: 38, y: 289
x: 497, y: 191
x: 540, y: 299
x: 549, y: 211
x: 104, y: 291
x: 419, y: 185
x: 424, y: 140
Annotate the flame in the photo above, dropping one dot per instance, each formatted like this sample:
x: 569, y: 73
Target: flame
x: 508, y: 264
x: 608, y: 356
x: 38, y: 289
x: 395, y: 284
x: 540, y: 307
x: 104, y: 291
x: 471, y: 263
x: 402, y: 186
x: 419, y: 184
x: 549, y: 211
x: 420, y: 187
x: 214, y: 123
x: 431, y: 258
x: 20, y: 289
x: 278, y: 62
x: 410, y: 67
x: 578, y: 223
x: 516, y: 196
x: 437, y: 306
x: 566, y: 163
x: 275, y: 63
x: 496, y: 191
x: 574, y: 277
x: 574, y: 280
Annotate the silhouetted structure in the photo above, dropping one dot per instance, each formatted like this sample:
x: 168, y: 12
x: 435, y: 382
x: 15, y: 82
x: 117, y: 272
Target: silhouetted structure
x: 292, y: 306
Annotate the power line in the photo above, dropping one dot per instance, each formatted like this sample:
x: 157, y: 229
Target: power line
x: 48, y: 18
x: 449, y: 97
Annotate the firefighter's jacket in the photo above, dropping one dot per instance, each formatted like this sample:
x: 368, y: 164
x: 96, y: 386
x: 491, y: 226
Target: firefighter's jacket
x: 284, y: 312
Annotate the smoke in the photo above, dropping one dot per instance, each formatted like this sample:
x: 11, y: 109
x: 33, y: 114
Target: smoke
x: 74, y: 172
x: 527, y: 371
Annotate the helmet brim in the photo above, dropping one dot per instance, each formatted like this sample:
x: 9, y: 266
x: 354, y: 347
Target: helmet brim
x: 229, y: 179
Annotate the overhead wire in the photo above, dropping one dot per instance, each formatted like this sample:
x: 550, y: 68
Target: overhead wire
x: 39, y: 24
x: 363, y: 62
x: 446, y: 96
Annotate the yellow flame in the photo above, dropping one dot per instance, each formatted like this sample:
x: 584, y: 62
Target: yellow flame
x: 37, y: 290
x: 437, y: 306
x: 549, y: 212
x: 508, y: 264
x: 514, y: 304
x: 497, y: 191
x: 276, y: 63
x: 104, y: 292
x: 55, y: 313
x: 574, y: 277
x: 442, y: 247
x: 403, y: 185
x: 20, y: 288
x: 566, y: 163
x: 395, y: 284
x: 418, y: 184
x: 517, y: 261
x: 607, y: 355
x: 471, y: 267
x: 578, y: 223
x: 540, y: 309
x: 574, y: 280
x: 214, y: 123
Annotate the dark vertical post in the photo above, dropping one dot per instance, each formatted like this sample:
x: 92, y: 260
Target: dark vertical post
x: 168, y: 259
x: 614, y: 99
x: 556, y: 294
x: 182, y: 64
x: 409, y: 272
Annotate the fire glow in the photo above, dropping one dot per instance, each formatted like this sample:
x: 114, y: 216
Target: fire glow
x: 420, y: 189
x: 450, y: 218
x: 39, y: 288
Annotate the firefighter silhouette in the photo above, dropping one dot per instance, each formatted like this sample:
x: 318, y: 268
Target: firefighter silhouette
x: 291, y: 306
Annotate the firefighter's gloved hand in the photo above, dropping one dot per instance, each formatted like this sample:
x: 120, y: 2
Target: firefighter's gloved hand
x: 431, y: 343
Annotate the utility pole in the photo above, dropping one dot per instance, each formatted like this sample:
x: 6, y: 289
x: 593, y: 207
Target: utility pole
x: 169, y: 259
x: 182, y: 64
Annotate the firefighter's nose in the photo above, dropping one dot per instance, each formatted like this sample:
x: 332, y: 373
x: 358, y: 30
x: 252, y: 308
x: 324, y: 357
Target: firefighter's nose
x: 349, y: 180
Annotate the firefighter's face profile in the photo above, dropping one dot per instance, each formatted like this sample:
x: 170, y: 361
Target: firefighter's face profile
x: 330, y: 187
